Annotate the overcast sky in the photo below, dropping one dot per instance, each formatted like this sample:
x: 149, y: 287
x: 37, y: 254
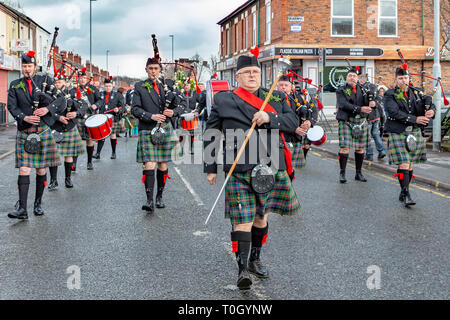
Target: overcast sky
x: 124, y: 27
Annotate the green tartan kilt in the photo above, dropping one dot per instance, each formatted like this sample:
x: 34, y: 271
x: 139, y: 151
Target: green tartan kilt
x: 242, y: 204
x: 345, y: 135
x: 298, y: 157
x: 169, y: 151
x: 48, y: 157
x: 399, y: 154
x: 117, y: 127
x: 72, y: 145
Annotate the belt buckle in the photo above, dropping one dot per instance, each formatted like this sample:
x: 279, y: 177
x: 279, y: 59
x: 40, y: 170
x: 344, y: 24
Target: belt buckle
x: 409, y: 128
x: 358, y: 117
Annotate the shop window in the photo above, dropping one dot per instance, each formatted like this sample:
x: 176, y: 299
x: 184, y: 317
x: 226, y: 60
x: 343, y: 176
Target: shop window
x: 334, y: 77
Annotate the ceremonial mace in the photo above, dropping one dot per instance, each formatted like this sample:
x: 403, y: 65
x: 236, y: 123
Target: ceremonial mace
x: 285, y: 63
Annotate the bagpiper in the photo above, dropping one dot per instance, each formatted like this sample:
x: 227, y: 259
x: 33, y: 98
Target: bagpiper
x: 114, y: 105
x: 29, y: 103
x: 70, y: 145
x: 409, y: 112
x: 248, y: 200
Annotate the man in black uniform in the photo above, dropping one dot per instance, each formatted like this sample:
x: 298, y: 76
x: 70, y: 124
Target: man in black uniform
x: 158, y: 143
x: 409, y: 111
x: 35, y: 146
x: 91, y: 95
x: 113, y: 104
x: 246, y: 205
x: 354, y: 105
x: 69, y: 110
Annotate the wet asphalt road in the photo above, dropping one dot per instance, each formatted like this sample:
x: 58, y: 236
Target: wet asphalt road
x: 124, y: 253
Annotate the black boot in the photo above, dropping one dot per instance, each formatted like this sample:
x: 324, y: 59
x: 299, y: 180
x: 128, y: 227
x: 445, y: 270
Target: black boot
x: 343, y: 158
x: 53, y: 179
x: 404, y: 180
x: 241, y: 242
x: 192, y: 144
x: 68, y: 170
x: 113, y: 148
x: 20, y: 211
x: 408, y: 200
x: 161, y: 177
x: 74, y: 165
x: 401, y: 176
x: 100, y: 145
x: 359, y: 159
x: 40, y: 186
x: 90, y: 152
x: 255, y: 265
x: 149, y: 181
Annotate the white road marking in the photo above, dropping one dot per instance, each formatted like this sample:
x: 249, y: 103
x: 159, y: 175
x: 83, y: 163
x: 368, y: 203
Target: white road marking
x: 189, y: 187
x: 201, y: 233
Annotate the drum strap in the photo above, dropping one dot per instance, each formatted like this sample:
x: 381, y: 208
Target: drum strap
x: 257, y: 103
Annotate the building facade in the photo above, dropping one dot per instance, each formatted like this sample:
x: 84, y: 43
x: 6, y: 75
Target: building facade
x: 319, y: 35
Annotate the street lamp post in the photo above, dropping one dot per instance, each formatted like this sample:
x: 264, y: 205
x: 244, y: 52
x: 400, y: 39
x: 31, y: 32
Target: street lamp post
x: 437, y: 74
x: 107, y: 65
x: 90, y: 34
x: 172, y: 36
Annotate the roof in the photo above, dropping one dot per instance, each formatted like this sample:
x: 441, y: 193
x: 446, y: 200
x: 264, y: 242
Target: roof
x: 22, y: 15
x: 235, y: 12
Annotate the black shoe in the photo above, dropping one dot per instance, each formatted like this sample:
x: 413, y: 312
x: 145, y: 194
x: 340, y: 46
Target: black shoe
x: 149, y: 206
x: 408, y: 201
x: 53, y: 185
x: 342, y: 178
x: 159, y: 202
x: 19, y: 213
x: 255, y: 265
x: 244, y: 282
x: 69, y: 183
x: 369, y: 159
x: 37, y: 208
x: 381, y: 156
x: 113, y: 156
x: 90, y: 166
x: 359, y: 177
x: 96, y: 156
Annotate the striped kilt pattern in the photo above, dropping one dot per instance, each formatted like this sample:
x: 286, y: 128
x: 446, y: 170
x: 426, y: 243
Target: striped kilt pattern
x: 169, y: 151
x: 399, y: 154
x: 345, y: 135
x: 72, y: 145
x: 242, y: 204
x: 48, y: 157
x: 117, y: 128
x: 298, y: 157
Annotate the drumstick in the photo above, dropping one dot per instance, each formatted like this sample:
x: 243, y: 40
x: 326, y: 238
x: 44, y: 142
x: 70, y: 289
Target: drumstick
x: 111, y: 110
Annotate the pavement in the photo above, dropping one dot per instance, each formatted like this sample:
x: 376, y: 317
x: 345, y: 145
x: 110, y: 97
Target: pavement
x: 7, y: 140
x: 345, y: 236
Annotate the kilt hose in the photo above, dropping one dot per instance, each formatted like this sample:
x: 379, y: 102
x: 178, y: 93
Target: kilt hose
x: 170, y: 150
x: 242, y: 204
x: 399, y: 154
x: 298, y: 157
x: 346, y: 139
x: 47, y: 157
x: 72, y: 145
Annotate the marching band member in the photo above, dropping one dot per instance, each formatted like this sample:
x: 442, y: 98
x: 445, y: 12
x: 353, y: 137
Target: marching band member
x: 189, y: 104
x: 353, y: 109
x: 68, y: 112
x: 114, y: 104
x: 246, y: 208
x: 408, y: 112
x: 155, y: 147
x: 35, y: 146
x: 92, y: 97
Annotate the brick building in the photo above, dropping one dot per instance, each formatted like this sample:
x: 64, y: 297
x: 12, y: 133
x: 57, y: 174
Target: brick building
x: 369, y: 32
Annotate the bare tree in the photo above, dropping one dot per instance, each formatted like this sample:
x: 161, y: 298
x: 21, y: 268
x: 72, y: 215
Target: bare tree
x: 445, y: 24
x: 213, y: 60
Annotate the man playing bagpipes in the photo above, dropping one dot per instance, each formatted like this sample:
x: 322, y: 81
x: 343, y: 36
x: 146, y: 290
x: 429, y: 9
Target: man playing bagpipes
x: 69, y: 142
x: 354, y: 106
x: 409, y: 112
x: 29, y: 100
x: 158, y: 144
x: 91, y: 95
x: 113, y: 104
x: 254, y: 189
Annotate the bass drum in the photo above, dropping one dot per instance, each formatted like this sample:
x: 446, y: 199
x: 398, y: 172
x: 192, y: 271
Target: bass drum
x: 98, y: 127
x: 212, y: 87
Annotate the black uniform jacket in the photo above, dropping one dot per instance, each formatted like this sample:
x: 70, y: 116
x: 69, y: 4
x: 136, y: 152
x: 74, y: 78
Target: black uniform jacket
x: 116, y: 100
x: 93, y: 96
x: 231, y: 112
x: 147, y: 102
x: 64, y: 105
x: 348, y: 103
x: 403, y: 112
x: 21, y: 103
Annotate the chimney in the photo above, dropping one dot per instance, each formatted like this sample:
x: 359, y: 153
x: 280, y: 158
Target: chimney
x: 70, y: 56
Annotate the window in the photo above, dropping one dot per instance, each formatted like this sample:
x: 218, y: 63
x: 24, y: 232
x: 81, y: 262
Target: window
x: 387, y: 18
x: 246, y: 33
x: 254, y: 30
x: 236, y: 38
x: 342, y: 17
x: 229, y: 41
x: 268, y: 20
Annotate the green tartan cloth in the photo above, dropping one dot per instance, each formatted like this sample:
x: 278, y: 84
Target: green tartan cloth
x: 298, y: 157
x: 48, y: 157
x: 169, y: 151
x: 242, y: 204
x: 117, y: 128
x: 399, y: 154
x: 345, y: 135
x: 72, y: 145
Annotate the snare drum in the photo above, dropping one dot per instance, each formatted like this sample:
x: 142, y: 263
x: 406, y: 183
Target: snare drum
x: 317, y: 135
x: 189, y: 121
x: 98, y: 127
x: 110, y: 120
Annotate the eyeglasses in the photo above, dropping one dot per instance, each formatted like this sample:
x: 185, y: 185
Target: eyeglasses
x: 250, y: 72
